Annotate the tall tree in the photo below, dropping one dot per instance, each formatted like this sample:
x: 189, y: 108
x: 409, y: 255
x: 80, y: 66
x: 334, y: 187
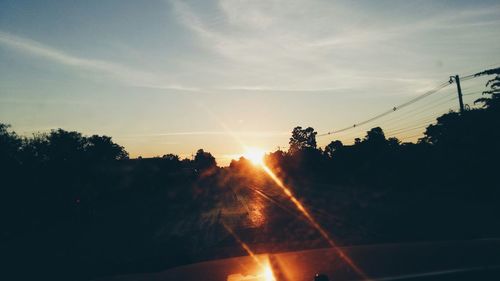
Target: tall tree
x: 204, y: 160
x: 65, y: 146
x: 10, y: 144
x: 102, y: 148
x: 302, y: 139
x: 332, y: 147
x: 375, y: 136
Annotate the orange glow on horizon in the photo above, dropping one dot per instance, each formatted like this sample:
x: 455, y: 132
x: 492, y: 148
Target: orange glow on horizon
x: 255, y: 155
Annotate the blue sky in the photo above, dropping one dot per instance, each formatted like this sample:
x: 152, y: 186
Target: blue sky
x: 173, y: 76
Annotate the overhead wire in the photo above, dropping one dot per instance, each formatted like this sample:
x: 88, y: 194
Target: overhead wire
x: 426, y: 94
x: 425, y: 110
x: 410, y: 137
x: 418, y: 110
x: 399, y: 107
x: 396, y: 122
x: 427, y: 122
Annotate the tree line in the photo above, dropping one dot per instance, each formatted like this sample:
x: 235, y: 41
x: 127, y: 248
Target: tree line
x: 80, y: 197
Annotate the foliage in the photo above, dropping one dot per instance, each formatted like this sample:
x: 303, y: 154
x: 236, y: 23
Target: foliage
x: 81, y: 199
x: 302, y: 139
x: 204, y: 160
x: 10, y: 145
x: 332, y: 147
x: 494, y: 100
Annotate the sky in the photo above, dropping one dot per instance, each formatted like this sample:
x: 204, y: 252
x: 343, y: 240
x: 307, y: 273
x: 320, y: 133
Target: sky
x: 173, y: 76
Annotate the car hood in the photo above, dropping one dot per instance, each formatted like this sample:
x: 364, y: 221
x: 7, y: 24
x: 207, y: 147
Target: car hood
x: 377, y: 262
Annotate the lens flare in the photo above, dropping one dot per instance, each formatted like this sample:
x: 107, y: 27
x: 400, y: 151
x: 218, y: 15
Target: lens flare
x: 313, y: 222
x: 266, y: 271
x: 255, y: 155
x: 243, y: 245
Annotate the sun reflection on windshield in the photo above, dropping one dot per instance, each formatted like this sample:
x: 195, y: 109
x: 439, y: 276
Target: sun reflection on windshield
x: 265, y: 274
x: 314, y: 223
x: 257, y: 157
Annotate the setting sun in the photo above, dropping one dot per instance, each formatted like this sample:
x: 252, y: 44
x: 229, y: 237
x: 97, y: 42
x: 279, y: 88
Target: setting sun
x: 255, y: 155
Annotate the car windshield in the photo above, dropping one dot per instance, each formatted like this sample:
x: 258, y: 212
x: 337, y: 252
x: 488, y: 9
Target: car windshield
x: 249, y: 140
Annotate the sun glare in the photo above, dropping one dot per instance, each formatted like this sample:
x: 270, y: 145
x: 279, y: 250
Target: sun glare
x: 268, y: 273
x: 255, y: 155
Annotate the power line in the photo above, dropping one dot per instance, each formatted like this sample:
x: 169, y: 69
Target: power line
x: 410, y: 137
x: 428, y: 93
x: 418, y: 110
x: 478, y: 71
x: 396, y: 121
x: 472, y: 93
x: 404, y: 130
x: 426, y: 120
x: 421, y: 109
x: 434, y: 106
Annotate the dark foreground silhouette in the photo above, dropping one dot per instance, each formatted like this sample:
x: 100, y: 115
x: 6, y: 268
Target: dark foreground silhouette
x: 76, y: 207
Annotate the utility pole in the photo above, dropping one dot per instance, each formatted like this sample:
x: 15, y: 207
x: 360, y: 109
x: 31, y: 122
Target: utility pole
x: 456, y: 78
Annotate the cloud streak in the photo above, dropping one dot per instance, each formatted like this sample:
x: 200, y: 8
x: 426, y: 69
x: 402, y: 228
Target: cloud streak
x: 207, y: 133
x: 120, y: 72
x: 308, y: 46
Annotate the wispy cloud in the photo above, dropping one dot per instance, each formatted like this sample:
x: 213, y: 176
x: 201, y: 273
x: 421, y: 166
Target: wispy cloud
x: 308, y: 46
x: 281, y: 89
x: 123, y: 73
x: 297, y: 46
x: 386, y: 32
x: 41, y: 102
x: 207, y: 133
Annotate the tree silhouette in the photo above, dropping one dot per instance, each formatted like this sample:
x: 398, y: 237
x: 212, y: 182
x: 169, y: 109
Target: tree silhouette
x: 446, y: 129
x: 102, y: 148
x: 393, y: 142
x: 332, y: 147
x: 204, y: 160
x: 60, y: 146
x: 65, y: 146
x: 494, y: 91
x: 375, y: 136
x: 171, y: 157
x: 70, y: 189
x: 10, y: 145
x: 302, y: 139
